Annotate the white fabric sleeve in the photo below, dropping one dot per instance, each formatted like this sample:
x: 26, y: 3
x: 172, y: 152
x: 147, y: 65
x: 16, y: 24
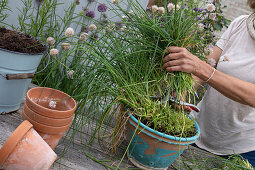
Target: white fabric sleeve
x: 222, y: 42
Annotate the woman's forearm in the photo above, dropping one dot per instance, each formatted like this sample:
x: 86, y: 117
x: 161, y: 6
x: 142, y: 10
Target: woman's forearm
x: 231, y: 87
x: 214, y: 55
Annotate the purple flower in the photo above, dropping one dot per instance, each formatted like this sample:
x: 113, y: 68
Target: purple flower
x: 102, y: 8
x: 196, y: 9
x: 90, y: 14
x: 199, y: 18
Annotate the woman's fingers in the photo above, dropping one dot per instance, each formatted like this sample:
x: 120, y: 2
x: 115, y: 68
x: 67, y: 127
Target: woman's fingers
x: 174, y: 49
x: 173, y: 63
x: 172, y: 56
x: 180, y: 59
x: 174, y: 68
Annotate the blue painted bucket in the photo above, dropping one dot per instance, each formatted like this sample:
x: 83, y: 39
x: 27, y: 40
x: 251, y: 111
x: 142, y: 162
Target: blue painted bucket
x: 15, y: 76
x: 150, y: 149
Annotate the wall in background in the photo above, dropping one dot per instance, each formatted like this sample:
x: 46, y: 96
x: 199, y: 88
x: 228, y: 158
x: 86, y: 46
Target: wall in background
x: 235, y: 8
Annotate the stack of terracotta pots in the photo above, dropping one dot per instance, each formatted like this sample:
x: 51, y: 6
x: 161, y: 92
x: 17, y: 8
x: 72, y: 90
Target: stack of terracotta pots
x: 50, y: 111
x: 25, y: 149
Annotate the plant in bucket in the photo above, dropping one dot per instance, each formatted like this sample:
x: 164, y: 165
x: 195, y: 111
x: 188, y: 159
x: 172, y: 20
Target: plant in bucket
x: 128, y: 70
x: 50, y: 111
x: 25, y: 149
x: 20, y: 55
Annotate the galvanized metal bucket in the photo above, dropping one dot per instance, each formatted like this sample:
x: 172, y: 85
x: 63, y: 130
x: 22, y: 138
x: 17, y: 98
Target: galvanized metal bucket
x: 152, y: 150
x: 16, y: 72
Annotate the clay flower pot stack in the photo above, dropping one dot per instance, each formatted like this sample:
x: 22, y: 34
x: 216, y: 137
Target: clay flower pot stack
x: 50, y: 111
x: 25, y: 149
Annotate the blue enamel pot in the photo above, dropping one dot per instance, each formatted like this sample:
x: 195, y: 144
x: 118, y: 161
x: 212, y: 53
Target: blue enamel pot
x: 16, y: 72
x: 150, y: 149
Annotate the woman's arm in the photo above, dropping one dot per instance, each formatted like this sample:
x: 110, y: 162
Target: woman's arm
x: 180, y: 59
x: 214, y: 55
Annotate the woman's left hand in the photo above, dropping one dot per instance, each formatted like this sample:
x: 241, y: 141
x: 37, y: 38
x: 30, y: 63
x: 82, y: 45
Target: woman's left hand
x: 180, y: 59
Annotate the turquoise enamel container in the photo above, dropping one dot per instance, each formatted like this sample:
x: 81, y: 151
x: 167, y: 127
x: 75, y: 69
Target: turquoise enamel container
x: 150, y: 149
x: 16, y: 72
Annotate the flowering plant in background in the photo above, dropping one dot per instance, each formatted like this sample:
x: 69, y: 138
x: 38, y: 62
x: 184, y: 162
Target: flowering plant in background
x: 211, y: 16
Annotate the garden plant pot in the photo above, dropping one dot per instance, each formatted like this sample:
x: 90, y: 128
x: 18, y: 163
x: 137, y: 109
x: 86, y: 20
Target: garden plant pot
x: 55, y: 122
x: 150, y: 149
x: 50, y: 123
x: 25, y: 149
x: 16, y: 72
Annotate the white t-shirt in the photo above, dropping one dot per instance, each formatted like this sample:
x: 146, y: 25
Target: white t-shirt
x: 228, y: 127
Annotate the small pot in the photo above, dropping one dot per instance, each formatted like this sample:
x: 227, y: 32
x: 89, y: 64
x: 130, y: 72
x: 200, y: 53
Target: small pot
x: 51, y: 123
x: 25, y: 149
x: 150, y: 149
x: 37, y: 99
x: 50, y: 134
x: 46, y: 120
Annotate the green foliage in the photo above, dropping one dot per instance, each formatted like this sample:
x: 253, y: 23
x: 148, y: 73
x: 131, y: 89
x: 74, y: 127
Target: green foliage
x: 3, y: 8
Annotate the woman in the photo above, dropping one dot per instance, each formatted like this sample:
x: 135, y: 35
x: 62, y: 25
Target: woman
x: 227, y: 116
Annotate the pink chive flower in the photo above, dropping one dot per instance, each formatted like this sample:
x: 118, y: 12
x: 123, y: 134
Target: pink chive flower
x: 69, y: 74
x: 210, y: 7
x: 52, y: 104
x: 50, y: 40
x: 69, y: 32
x: 54, y: 52
x: 66, y: 46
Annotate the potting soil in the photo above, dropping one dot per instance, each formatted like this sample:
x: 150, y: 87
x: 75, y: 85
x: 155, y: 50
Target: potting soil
x: 19, y: 42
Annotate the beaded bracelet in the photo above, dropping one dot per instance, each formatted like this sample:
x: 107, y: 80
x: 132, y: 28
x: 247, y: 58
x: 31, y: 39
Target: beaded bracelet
x: 211, y: 75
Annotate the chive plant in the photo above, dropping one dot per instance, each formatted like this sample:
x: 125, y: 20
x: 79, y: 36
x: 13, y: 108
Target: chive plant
x: 131, y: 60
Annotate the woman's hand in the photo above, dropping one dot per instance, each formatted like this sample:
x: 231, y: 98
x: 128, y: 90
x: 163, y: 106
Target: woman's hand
x: 180, y: 59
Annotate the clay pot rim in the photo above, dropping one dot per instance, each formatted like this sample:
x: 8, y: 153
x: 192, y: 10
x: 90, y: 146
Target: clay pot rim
x: 55, y: 122
x: 142, y: 127
x: 13, y: 140
x: 47, y: 109
x: 58, y: 118
x: 50, y: 129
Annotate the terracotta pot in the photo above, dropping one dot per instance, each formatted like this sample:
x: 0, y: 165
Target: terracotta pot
x: 38, y: 98
x: 50, y: 134
x: 152, y: 150
x: 25, y: 149
x: 46, y: 120
x: 51, y: 123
